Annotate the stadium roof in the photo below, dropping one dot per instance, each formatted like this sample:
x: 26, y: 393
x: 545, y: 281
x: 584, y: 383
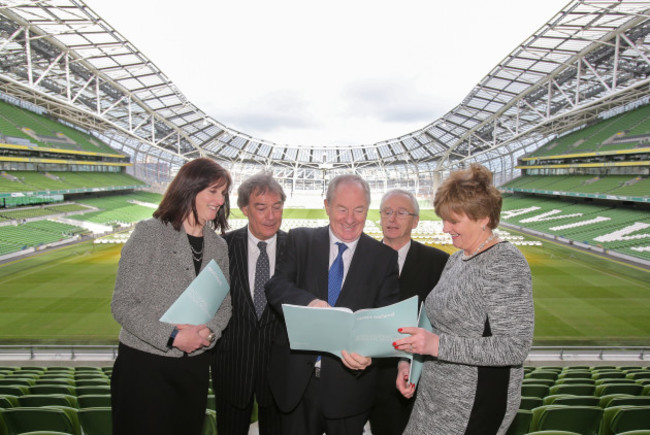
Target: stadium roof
x: 590, y: 57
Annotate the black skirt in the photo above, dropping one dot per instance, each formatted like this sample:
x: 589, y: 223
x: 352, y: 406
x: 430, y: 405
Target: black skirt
x: 158, y: 394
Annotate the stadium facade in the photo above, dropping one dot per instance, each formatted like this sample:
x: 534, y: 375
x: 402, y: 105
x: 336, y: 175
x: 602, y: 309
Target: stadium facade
x: 588, y: 60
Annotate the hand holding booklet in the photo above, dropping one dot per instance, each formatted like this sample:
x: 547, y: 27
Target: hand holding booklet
x: 200, y: 301
x: 368, y: 332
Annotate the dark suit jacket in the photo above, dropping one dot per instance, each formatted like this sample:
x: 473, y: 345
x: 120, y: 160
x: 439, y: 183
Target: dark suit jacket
x: 422, y: 269
x: 301, y: 277
x: 421, y: 272
x: 241, y: 359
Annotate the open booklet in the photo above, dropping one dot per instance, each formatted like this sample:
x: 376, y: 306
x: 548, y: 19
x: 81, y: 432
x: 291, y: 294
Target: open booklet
x: 200, y: 301
x: 369, y: 332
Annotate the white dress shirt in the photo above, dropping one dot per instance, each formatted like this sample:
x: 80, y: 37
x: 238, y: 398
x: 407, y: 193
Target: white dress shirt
x: 254, y: 253
x: 347, y: 254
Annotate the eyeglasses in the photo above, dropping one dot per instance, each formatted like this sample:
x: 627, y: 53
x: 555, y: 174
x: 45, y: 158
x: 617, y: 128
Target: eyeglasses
x: 399, y: 214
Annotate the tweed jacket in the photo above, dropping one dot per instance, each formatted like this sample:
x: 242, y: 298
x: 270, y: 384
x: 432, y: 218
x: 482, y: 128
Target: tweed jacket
x: 155, y: 268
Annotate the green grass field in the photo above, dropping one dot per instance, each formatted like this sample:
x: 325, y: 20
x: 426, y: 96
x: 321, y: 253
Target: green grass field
x: 63, y: 296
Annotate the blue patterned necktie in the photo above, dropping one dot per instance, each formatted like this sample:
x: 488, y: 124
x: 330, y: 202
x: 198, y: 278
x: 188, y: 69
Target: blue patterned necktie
x: 262, y: 274
x: 335, y: 276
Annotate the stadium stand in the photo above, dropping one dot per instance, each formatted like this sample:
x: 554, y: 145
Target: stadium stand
x: 584, y: 411
x: 23, y: 127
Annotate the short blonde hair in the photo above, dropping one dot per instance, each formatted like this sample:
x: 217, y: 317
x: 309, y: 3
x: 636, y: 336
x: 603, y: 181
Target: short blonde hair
x: 469, y: 192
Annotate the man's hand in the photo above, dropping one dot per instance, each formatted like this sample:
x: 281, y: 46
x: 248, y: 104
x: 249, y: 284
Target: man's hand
x: 354, y: 361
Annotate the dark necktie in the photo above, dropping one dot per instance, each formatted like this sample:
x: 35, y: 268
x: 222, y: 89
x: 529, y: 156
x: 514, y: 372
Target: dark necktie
x: 335, y: 276
x: 262, y: 274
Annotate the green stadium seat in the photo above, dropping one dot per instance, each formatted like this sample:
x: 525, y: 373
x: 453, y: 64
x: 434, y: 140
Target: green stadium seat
x: 551, y: 398
x: 609, y: 374
x: 210, y: 423
x: 575, y: 389
x: 602, y: 381
x: 17, y: 381
x: 636, y: 432
x: 534, y: 390
x: 575, y: 374
x: 631, y: 418
x: 48, y: 400
x: 575, y: 381
x: 52, y: 389
x: 638, y: 375
x: 553, y: 432
x: 93, y: 389
x: 607, y: 399
x: 51, y: 381
x: 14, y: 390
x: 91, y: 382
x: 548, y: 382
x: 629, y: 400
x: 526, y: 402
x: 543, y: 374
x: 8, y: 401
x: 578, y: 401
x: 521, y: 423
x: 21, y: 419
x: 96, y: 421
x: 581, y: 419
x: 94, y: 400
x: 604, y: 389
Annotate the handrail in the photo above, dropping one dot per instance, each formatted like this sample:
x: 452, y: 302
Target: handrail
x: 83, y: 352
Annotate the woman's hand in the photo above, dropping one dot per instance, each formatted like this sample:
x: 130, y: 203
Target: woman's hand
x: 420, y: 341
x: 402, y: 382
x: 190, y: 338
x: 354, y: 361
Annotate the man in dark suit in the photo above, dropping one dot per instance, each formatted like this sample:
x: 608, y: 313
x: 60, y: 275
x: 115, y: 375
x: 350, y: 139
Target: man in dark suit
x: 420, y: 267
x: 241, y: 355
x: 325, y: 393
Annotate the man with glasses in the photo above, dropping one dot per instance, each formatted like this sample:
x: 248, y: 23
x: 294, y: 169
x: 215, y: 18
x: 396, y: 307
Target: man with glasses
x: 337, y: 265
x: 420, y: 267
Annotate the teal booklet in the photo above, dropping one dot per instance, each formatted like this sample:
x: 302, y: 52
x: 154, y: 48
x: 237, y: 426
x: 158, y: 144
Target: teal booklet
x: 417, y: 360
x: 368, y: 332
x: 200, y: 301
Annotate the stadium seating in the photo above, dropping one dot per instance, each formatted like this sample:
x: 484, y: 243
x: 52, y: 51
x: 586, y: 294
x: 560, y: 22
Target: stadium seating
x: 580, y: 419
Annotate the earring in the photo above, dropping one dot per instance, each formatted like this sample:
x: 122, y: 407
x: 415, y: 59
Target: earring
x: 483, y: 228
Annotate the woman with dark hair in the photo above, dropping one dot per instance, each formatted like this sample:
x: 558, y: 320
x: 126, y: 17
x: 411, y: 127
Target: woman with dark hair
x: 482, y: 315
x: 160, y: 377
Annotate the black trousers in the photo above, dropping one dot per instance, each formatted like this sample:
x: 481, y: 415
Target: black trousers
x: 158, y: 394
x: 308, y: 418
x: 233, y: 420
x: 391, y: 410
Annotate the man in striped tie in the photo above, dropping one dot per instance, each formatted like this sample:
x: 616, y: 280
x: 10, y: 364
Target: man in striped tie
x: 241, y: 356
x: 337, y: 265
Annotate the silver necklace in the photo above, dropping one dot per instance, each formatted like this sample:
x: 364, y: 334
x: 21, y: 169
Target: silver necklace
x: 197, y: 254
x: 485, y: 242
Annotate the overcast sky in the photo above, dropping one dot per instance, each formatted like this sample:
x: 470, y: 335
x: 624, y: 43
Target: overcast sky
x: 341, y: 72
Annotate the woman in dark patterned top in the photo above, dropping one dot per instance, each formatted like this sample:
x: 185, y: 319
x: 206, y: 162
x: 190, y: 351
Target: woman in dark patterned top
x: 161, y: 374
x: 482, y: 315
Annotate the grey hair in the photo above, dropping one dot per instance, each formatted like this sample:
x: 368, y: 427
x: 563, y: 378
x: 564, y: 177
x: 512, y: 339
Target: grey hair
x: 345, y: 179
x: 259, y: 184
x: 409, y: 195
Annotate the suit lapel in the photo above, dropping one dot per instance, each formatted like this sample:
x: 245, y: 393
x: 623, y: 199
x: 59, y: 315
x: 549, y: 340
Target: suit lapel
x: 322, y: 250
x: 240, y: 258
x: 181, y: 249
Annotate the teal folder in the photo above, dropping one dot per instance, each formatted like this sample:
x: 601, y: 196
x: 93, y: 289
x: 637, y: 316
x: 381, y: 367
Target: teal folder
x: 417, y: 360
x: 200, y: 301
x: 368, y: 332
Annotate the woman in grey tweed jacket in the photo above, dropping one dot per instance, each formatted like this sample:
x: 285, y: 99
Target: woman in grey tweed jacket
x: 161, y: 375
x: 482, y: 315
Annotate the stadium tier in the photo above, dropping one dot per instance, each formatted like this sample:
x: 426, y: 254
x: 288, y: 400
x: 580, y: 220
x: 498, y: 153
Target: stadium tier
x: 624, y: 131
x: 578, y: 399
x: 31, y: 181
x: 23, y: 127
x: 613, y: 228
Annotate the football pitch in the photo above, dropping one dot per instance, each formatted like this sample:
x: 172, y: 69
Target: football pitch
x: 62, y: 296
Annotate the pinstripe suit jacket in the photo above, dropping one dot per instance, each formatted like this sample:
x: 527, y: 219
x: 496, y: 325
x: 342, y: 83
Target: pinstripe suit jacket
x: 241, y: 357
